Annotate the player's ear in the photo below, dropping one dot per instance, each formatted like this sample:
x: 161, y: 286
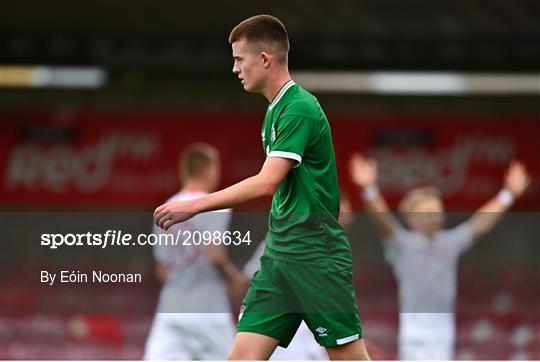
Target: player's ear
x: 266, y: 59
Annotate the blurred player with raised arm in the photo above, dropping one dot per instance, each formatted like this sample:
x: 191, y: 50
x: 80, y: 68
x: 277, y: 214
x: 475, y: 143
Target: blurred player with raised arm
x: 425, y: 256
x: 193, y: 319
x: 306, y: 270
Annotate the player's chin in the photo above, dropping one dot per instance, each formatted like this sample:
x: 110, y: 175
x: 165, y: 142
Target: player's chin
x: 247, y: 87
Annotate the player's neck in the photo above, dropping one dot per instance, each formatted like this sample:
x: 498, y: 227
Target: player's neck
x: 430, y: 235
x: 195, y: 186
x: 275, y: 83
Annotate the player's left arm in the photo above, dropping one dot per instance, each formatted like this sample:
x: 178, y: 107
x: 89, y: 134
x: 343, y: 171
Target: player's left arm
x: 261, y: 185
x: 516, y: 182
x: 237, y: 282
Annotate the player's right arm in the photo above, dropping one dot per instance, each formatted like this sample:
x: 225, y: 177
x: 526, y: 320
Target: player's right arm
x: 261, y: 185
x: 364, y: 175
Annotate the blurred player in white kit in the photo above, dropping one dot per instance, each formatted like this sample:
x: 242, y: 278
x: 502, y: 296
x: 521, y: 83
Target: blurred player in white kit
x: 194, y: 319
x: 425, y: 256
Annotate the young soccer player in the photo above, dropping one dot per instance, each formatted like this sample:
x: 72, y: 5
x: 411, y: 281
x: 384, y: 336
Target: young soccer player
x: 302, y: 347
x: 193, y: 319
x: 425, y: 256
x: 306, y: 269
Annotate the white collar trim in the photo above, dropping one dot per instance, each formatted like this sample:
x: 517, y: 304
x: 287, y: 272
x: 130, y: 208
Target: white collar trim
x: 281, y: 92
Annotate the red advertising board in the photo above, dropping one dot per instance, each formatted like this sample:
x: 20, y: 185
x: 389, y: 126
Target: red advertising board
x: 124, y: 159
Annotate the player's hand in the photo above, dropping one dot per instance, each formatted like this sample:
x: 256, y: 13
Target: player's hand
x: 517, y: 179
x: 172, y: 213
x: 363, y: 170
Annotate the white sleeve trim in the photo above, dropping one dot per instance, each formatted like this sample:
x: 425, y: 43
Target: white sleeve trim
x: 345, y: 340
x: 289, y: 155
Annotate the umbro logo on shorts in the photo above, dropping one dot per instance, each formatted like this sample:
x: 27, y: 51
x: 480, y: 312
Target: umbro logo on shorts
x: 321, y: 331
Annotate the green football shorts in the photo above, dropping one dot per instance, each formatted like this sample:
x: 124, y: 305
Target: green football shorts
x: 283, y: 293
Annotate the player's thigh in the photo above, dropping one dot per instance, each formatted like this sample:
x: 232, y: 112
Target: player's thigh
x: 213, y: 340
x: 303, y: 347
x: 426, y: 349
x: 328, y: 303
x: 252, y: 346
x: 165, y: 341
x: 266, y: 310
x: 355, y: 350
x: 280, y: 326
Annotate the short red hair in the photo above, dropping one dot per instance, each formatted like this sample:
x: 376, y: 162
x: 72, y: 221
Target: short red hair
x: 266, y: 32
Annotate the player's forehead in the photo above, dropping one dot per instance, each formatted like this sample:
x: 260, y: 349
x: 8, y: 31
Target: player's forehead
x: 241, y: 48
x: 429, y: 202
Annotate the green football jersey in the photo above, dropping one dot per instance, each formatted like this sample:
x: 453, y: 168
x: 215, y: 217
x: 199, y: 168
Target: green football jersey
x: 303, y: 225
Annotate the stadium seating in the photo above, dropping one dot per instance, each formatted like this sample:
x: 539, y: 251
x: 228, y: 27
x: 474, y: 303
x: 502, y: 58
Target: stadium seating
x: 496, y: 320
